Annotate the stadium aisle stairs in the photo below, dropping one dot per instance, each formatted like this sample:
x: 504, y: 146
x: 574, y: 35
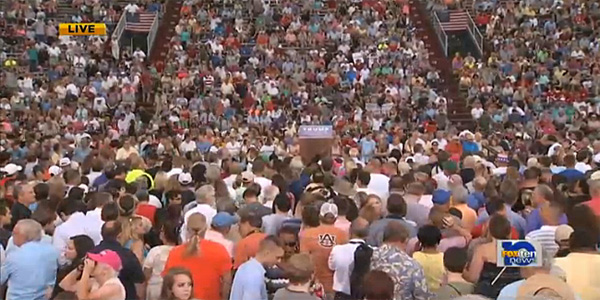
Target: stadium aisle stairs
x: 458, y: 112
x: 166, y: 29
x: 65, y: 11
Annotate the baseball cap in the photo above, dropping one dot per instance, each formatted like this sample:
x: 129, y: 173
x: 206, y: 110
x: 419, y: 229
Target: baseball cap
x: 64, y: 162
x: 185, y: 178
x: 329, y: 208
x: 541, y: 283
x: 563, y: 233
x: 441, y: 197
x: 54, y: 170
x: 224, y: 219
x: 174, y: 171
x: 11, y: 169
x: 108, y: 257
x: 247, y: 177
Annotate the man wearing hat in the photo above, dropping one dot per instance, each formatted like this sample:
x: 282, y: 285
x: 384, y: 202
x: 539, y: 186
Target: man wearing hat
x: 320, y: 240
x: 220, y: 227
x: 10, y: 170
x: 562, y: 236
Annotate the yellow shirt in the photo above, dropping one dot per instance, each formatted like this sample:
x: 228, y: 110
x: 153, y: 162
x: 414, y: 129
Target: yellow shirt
x: 433, y: 267
x: 581, y: 270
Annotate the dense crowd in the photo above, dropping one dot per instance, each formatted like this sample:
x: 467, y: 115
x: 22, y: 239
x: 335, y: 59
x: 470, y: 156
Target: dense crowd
x: 186, y: 178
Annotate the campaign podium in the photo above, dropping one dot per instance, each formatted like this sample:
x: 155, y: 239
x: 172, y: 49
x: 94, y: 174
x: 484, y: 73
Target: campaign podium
x: 315, y: 140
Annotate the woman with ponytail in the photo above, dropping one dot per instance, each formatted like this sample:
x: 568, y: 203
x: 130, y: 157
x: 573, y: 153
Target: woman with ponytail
x: 208, y: 262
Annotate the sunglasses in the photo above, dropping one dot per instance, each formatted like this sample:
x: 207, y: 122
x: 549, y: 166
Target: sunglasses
x: 291, y: 244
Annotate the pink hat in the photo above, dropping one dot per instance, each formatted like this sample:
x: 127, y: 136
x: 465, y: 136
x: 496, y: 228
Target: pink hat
x: 108, y: 257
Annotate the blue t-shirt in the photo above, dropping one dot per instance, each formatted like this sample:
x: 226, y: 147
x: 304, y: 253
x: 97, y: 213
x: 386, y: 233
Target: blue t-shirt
x: 367, y: 148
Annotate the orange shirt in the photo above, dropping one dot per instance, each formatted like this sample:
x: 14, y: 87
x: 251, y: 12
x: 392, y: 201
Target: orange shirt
x: 207, y: 268
x: 318, y: 242
x: 469, y: 216
x: 247, y: 248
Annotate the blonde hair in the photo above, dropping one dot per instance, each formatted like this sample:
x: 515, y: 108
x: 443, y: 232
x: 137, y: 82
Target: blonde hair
x: 196, y: 228
x: 57, y: 187
x: 138, y: 163
x: 128, y: 228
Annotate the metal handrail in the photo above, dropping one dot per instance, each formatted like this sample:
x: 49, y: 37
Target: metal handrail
x: 152, y: 34
x: 439, y: 31
x: 475, y: 33
x: 118, y: 32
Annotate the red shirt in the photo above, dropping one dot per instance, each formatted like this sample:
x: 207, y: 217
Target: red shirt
x: 594, y: 204
x: 477, y: 231
x: 146, y: 210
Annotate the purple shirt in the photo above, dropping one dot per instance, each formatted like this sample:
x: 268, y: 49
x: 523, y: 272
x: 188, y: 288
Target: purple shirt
x: 534, y: 221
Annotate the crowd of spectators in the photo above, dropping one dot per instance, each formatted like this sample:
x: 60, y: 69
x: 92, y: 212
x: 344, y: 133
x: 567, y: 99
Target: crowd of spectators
x: 185, y: 178
x: 541, y: 70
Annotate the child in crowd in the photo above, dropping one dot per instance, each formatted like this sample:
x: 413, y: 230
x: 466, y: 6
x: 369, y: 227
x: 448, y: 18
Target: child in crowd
x: 429, y: 257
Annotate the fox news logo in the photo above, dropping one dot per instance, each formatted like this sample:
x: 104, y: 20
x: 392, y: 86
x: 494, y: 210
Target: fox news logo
x: 519, y: 253
x: 82, y: 29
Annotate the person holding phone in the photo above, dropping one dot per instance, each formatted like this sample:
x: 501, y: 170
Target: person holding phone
x: 98, y: 278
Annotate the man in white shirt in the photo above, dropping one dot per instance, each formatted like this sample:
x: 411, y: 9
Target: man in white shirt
x: 74, y: 223
x: 205, y: 202
x: 476, y: 111
x: 379, y: 183
x: 93, y: 219
x: 132, y: 8
x: 443, y: 178
x: 362, y: 183
x: 582, y: 161
x: 341, y: 258
x: 258, y: 167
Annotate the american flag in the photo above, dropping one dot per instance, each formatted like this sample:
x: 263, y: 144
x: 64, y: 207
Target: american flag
x: 139, y: 22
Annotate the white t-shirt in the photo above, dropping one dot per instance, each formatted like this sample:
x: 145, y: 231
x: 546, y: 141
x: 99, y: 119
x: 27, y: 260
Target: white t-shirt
x: 379, y: 184
x: 263, y: 182
x: 234, y: 148
x: 132, y: 8
x: 476, y: 113
x: 442, y: 180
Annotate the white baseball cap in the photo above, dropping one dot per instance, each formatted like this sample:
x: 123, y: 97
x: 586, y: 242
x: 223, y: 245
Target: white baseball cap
x: 64, y: 162
x: 11, y: 169
x: 185, y: 178
x: 174, y: 171
x: 54, y: 170
x: 329, y: 208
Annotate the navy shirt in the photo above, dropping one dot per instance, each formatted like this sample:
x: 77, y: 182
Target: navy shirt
x: 131, y: 271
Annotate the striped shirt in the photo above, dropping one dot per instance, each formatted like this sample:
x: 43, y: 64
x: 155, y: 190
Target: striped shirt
x: 545, y: 236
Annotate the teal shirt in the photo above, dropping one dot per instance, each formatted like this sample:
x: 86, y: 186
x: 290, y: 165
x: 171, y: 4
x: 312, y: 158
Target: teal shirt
x: 185, y: 36
x: 33, y: 54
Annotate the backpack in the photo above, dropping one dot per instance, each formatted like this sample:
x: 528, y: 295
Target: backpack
x: 362, y: 265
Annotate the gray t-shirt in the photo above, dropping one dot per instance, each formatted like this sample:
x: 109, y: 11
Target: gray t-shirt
x: 272, y: 223
x: 285, y: 294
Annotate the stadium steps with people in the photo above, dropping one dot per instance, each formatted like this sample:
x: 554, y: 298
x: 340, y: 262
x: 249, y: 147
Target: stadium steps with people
x: 64, y: 11
x: 458, y: 112
x: 166, y: 30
